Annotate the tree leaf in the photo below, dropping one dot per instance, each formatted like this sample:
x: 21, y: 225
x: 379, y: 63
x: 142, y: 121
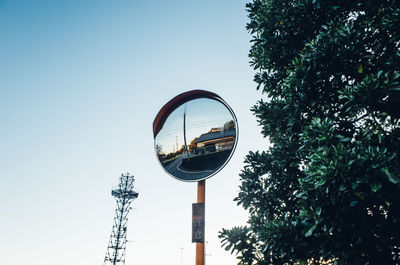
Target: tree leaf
x: 310, y: 231
x: 318, y: 210
x: 389, y: 176
x: 353, y: 203
x: 345, y: 140
x: 360, y: 68
x: 375, y: 186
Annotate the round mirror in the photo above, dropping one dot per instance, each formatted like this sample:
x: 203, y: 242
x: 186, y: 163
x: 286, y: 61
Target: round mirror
x: 195, y: 135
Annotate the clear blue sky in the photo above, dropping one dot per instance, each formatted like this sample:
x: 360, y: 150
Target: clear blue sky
x: 80, y: 85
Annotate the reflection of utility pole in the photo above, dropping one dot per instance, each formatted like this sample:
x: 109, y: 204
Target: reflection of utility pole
x: 184, y: 128
x: 177, y: 149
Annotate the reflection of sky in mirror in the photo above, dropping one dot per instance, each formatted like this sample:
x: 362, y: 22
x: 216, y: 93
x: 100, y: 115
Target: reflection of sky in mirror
x: 201, y: 116
x: 204, y: 114
x: 171, y: 132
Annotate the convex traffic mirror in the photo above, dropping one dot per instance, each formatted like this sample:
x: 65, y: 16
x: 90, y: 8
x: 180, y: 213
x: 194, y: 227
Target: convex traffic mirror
x: 195, y: 135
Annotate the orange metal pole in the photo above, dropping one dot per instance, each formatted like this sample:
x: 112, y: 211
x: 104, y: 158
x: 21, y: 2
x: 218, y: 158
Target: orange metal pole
x: 201, y: 197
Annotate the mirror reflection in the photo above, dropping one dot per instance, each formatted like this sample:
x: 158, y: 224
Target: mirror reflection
x: 197, y: 139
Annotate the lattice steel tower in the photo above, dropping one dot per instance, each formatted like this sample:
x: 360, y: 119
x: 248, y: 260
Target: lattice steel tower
x: 124, y: 194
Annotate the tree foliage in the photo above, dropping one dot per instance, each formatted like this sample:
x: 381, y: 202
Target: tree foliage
x: 329, y: 184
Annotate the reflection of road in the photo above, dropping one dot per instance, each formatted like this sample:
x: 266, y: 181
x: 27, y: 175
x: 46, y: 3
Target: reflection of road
x: 174, y: 169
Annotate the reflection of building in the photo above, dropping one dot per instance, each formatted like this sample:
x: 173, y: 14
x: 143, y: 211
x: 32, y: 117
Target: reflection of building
x: 216, y: 140
x: 210, y: 150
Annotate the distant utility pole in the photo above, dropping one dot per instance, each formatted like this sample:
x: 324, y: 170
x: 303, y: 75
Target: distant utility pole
x: 181, y: 256
x: 124, y: 194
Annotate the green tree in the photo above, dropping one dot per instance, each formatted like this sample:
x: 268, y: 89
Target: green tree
x: 328, y: 185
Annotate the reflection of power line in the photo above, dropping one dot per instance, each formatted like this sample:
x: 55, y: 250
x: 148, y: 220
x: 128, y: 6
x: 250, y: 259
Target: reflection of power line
x: 207, y: 127
x: 173, y: 131
x: 177, y: 130
x: 205, y: 122
x: 192, y: 126
x: 198, y: 123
